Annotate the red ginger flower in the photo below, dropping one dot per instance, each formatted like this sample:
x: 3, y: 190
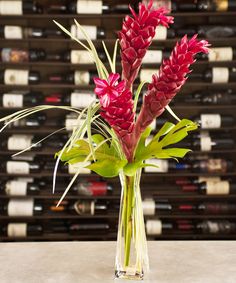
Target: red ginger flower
x: 117, y: 107
x: 171, y: 77
x: 136, y: 36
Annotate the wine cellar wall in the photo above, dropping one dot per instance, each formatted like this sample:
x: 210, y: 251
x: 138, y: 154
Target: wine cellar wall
x: 194, y: 198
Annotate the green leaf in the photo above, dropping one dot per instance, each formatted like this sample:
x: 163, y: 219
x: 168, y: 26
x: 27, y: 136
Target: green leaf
x: 108, y: 168
x: 176, y: 152
x: 164, y: 130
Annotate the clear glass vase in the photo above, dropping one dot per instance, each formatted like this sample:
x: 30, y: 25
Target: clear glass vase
x: 131, y: 251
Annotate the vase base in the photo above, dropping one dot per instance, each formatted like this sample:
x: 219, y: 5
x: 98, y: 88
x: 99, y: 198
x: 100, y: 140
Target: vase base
x: 128, y: 275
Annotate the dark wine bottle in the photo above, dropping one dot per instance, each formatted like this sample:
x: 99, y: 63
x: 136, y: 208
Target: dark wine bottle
x: 19, y: 7
x: 150, y: 207
x: 93, y: 32
x: 216, y: 208
x: 20, y: 167
x: 19, y: 77
x: 214, y: 121
x: 76, y: 77
x: 19, y: 99
x: 92, y: 188
x: 32, y: 121
x: 81, y: 228
x: 216, y: 31
x: 20, y: 187
x: 213, y: 166
x: 83, y: 207
x: 216, y: 5
x: 165, y: 166
x: 156, y: 227
x: 15, y: 55
x: 218, y: 54
x: 22, y: 230
x: 217, y: 227
x: 22, y: 207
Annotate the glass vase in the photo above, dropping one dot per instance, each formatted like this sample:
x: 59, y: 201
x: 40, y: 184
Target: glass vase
x: 131, y: 252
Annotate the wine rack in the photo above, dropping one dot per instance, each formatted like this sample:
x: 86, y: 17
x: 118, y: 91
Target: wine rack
x: 160, y: 187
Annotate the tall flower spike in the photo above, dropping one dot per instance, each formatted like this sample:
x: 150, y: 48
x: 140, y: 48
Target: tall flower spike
x: 116, y: 108
x: 136, y: 36
x: 172, y: 76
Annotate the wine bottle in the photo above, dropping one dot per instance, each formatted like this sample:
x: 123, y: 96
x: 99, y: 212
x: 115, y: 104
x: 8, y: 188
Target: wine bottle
x: 18, y: 187
x: 218, y: 54
x: 20, y: 142
x: 80, y: 99
x: 214, y: 121
x: 156, y: 227
x: 216, y: 5
x: 93, y: 32
x: 217, y: 227
x: 32, y: 121
x: 216, y: 31
x: 150, y: 207
x: 15, y: 55
x: 81, y: 228
x: 71, y: 121
x: 211, y: 187
x: 76, y: 57
x: 19, y: 77
x: 76, y: 77
x: 208, y: 207
x: 19, y: 7
x: 211, y: 98
x: 21, y: 167
x: 163, y: 33
x: 83, y: 207
x: 19, y: 32
x: 19, y: 99
x: 92, y: 188
x: 155, y: 56
x: 198, y: 180
x: 22, y: 207
x: 170, y: 5
x: 165, y: 166
x: 21, y: 230
x: 220, y: 75
x: 213, y: 166
x: 89, y: 7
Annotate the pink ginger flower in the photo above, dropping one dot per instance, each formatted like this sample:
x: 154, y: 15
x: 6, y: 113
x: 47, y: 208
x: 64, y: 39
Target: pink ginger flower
x: 116, y: 108
x: 136, y: 36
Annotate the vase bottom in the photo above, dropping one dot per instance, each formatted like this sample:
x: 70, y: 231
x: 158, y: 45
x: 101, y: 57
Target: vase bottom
x: 120, y: 274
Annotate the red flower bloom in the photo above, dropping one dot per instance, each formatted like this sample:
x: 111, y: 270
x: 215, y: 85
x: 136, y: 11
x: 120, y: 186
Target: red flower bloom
x: 171, y: 77
x: 117, y: 107
x: 136, y: 36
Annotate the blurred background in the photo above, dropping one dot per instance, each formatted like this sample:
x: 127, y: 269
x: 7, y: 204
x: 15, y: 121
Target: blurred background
x: 191, y: 200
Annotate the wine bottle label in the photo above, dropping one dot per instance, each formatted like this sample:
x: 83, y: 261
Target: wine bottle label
x: 205, y: 143
x: 222, y: 5
x: 16, y: 188
x: 149, y: 207
x: 73, y: 169
x: 154, y: 227
x: 81, y: 78
x: 80, y: 57
x: 220, y: 54
x: 217, y: 188
x: 159, y: 4
x: 92, y: 189
x: 90, y: 30
x: 16, y: 77
x: 17, y: 230
x: 162, y: 165
x: 216, y: 165
x: 85, y: 207
x: 160, y: 33
x: 153, y: 56
x: 146, y: 74
x: 82, y: 100
x: 213, y: 227
x: 19, y: 142
x: 20, y: 207
x: 72, y: 122
x: 208, y: 179
x: 220, y: 75
x: 14, y: 55
x: 210, y: 121
x: 89, y: 7
x: 11, y: 8
x: 13, y: 32
x: 17, y: 167
x: 12, y: 100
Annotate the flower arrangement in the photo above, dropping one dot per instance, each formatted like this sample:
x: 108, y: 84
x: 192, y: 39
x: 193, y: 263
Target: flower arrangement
x: 119, y: 145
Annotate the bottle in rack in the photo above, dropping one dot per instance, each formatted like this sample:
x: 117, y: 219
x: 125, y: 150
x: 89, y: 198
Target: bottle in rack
x: 87, y: 207
x: 216, y: 5
x: 22, y: 207
x: 20, y: 7
x: 32, y: 121
x: 218, y: 54
x: 76, y: 77
x: 214, y: 121
x: 15, y: 55
x: 21, y: 167
x: 88, y: 227
x: 157, y: 227
x: 224, y: 97
x: 92, y: 188
x: 220, y: 227
x: 20, y: 142
x: 151, y: 207
x: 93, y: 32
x: 155, y: 56
x: 21, y: 230
x: 208, y: 207
x: 20, y: 32
x: 220, y: 75
x: 19, y: 99
x: 20, y: 187
x: 19, y: 77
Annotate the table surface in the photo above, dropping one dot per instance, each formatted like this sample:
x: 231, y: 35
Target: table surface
x: 93, y: 262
